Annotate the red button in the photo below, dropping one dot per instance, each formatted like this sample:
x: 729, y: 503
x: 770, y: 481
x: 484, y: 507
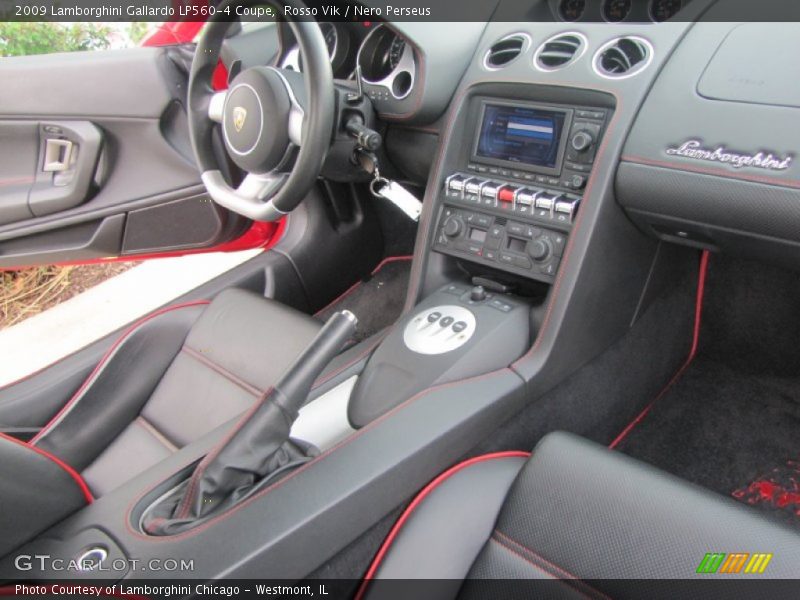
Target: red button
x: 506, y: 194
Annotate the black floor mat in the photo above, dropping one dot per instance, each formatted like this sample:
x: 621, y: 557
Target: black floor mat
x: 731, y: 423
x: 723, y: 430
x: 378, y: 301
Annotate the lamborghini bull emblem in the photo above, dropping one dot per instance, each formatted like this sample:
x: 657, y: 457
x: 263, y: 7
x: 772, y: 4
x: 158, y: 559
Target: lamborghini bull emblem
x: 239, y: 117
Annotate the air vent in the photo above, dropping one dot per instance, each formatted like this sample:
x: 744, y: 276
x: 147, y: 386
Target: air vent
x: 506, y: 50
x: 623, y: 57
x: 559, y: 51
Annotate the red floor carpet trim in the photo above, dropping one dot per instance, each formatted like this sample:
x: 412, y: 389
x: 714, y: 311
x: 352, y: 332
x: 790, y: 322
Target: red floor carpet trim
x: 698, y: 314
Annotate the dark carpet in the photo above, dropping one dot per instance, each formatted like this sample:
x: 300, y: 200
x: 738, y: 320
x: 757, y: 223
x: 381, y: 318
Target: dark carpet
x: 731, y: 423
x: 376, y: 301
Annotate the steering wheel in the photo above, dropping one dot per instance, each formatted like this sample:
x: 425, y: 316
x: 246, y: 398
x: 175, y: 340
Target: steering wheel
x: 276, y: 124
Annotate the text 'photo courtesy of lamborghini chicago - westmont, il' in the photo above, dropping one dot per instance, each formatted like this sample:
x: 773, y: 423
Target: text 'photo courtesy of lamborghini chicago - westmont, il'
x: 437, y: 299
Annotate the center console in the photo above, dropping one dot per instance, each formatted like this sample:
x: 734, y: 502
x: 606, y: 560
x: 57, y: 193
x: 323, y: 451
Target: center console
x: 504, y: 208
x: 455, y: 333
x: 511, y: 203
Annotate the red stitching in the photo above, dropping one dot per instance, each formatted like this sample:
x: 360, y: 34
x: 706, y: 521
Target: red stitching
x: 227, y: 514
x: 426, y: 491
x: 15, y: 180
x: 217, y: 368
x: 87, y: 494
x: 100, y: 365
x: 552, y: 566
x: 548, y: 570
x: 326, y: 378
x: 698, y: 313
x: 571, y: 240
x: 183, y: 509
x: 155, y: 433
x: 709, y: 171
x: 423, y: 235
x: 547, y: 562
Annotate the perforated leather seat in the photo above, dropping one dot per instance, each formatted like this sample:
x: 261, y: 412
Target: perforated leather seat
x: 172, y: 378
x: 592, y: 520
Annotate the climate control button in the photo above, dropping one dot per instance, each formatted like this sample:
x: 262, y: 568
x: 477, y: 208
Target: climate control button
x: 453, y: 226
x: 539, y: 249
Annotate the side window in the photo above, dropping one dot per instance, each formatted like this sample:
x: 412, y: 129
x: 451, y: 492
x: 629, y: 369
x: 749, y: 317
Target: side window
x: 29, y: 38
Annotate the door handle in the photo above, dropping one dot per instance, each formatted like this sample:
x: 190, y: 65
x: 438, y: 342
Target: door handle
x: 69, y: 153
x: 57, y: 155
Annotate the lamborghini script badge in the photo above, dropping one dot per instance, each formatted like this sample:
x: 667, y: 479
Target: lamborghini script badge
x: 695, y: 150
x: 239, y: 117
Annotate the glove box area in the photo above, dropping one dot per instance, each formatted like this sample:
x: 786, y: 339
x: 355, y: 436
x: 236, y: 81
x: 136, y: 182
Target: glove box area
x: 711, y: 160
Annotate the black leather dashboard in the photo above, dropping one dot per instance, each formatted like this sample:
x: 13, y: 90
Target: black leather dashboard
x: 712, y: 157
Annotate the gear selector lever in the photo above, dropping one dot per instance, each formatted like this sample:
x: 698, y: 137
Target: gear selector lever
x: 259, y: 449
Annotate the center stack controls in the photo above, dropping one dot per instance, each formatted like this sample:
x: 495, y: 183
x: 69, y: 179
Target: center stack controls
x: 512, y: 216
x: 510, y: 227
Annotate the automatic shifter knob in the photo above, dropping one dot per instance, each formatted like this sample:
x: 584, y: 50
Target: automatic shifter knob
x: 478, y: 294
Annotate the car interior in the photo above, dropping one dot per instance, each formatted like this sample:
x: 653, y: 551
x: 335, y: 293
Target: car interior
x: 527, y: 306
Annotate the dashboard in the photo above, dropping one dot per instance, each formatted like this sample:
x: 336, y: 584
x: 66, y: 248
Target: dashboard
x: 387, y: 63
x: 384, y: 60
x: 410, y: 69
x: 340, y: 38
x: 617, y: 11
x: 520, y: 126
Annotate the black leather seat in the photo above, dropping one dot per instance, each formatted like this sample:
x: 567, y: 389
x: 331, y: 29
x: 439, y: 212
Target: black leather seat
x: 577, y: 513
x: 172, y: 378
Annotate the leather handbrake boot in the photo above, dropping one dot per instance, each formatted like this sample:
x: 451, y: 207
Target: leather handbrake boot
x: 259, y: 449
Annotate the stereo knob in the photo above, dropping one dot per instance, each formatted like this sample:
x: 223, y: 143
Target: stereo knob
x: 582, y: 141
x: 577, y: 181
x: 538, y: 249
x: 453, y: 226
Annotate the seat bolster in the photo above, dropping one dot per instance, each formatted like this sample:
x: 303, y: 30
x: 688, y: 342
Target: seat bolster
x: 115, y: 392
x: 253, y: 337
x: 445, y: 527
x: 580, y: 510
x: 38, y: 491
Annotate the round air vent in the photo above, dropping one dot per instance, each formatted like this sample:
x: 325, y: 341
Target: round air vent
x: 559, y: 51
x: 506, y: 50
x: 623, y: 57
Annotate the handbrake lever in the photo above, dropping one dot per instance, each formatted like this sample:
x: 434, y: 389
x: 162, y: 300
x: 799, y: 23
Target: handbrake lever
x: 292, y: 389
x: 259, y: 449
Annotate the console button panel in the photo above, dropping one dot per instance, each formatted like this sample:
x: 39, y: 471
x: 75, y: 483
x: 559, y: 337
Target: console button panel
x: 506, y: 226
x: 509, y: 211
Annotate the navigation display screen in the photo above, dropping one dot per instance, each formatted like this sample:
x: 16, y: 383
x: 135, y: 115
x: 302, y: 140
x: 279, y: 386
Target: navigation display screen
x: 521, y: 134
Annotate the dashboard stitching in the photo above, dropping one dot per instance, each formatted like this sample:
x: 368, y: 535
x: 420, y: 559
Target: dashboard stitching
x: 707, y: 171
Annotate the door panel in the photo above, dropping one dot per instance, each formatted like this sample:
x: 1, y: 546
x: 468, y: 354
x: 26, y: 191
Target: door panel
x: 95, y: 160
